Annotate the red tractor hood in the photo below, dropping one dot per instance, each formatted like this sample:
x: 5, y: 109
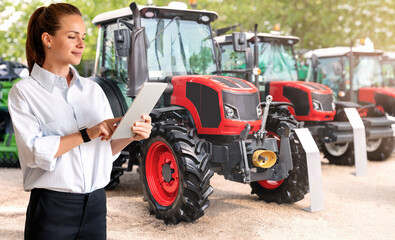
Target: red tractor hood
x: 368, y: 94
x: 206, y: 97
x: 302, y: 95
x: 220, y: 83
x: 306, y: 86
x: 382, y: 97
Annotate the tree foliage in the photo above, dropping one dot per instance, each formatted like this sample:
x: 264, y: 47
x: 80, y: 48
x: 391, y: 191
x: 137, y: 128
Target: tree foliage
x: 318, y: 23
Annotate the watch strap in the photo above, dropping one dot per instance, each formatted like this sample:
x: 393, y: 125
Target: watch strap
x: 84, y: 134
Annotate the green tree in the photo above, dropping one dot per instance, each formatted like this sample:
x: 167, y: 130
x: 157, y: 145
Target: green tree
x: 318, y: 23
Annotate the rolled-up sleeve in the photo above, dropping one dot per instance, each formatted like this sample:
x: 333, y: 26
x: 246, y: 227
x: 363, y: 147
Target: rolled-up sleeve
x: 35, y: 148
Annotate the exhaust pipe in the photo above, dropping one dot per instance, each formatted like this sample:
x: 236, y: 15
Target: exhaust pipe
x: 264, y: 158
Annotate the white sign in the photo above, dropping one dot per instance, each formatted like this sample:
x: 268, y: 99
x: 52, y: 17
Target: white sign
x: 314, y: 172
x: 359, y: 135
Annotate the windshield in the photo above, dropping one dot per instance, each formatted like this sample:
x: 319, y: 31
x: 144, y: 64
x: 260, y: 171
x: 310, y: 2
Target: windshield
x: 232, y: 60
x: 330, y: 74
x: 180, y: 48
x: 276, y: 62
x: 388, y: 70
x: 367, y: 72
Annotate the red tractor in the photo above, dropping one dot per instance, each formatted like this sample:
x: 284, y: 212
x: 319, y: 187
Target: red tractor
x: 268, y: 60
x: 202, y: 124
x: 354, y: 74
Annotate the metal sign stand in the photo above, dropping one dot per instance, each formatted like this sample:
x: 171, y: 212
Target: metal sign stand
x: 359, y: 141
x: 314, y: 173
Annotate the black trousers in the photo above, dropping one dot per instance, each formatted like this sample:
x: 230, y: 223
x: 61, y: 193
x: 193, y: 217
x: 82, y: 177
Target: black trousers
x: 59, y: 215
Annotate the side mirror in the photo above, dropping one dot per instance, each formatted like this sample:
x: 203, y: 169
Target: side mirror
x: 239, y: 42
x: 337, y: 68
x: 122, y: 42
x: 314, y: 61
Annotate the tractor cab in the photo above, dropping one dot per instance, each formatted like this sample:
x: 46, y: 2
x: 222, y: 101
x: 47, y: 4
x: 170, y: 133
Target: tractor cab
x: 362, y: 81
x: 270, y: 63
x: 276, y: 58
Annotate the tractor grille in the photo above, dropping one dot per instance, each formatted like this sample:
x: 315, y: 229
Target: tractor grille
x: 246, y: 104
x: 326, y: 101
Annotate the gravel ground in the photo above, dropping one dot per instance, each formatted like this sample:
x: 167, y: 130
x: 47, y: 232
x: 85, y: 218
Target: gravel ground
x: 355, y: 208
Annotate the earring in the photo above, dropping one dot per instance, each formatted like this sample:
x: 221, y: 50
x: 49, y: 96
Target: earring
x: 49, y: 46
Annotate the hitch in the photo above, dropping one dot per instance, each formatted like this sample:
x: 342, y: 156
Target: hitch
x: 261, y: 133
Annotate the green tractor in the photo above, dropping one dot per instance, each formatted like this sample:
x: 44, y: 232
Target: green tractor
x: 10, y: 73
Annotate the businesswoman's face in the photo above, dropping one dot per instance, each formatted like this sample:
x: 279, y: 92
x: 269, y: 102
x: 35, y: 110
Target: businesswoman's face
x: 67, y: 45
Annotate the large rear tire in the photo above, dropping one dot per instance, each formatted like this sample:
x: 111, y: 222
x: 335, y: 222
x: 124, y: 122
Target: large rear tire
x: 296, y: 185
x: 174, y: 173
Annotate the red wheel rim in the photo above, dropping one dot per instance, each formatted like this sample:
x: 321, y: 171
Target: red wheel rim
x: 270, y: 184
x: 162, y: 173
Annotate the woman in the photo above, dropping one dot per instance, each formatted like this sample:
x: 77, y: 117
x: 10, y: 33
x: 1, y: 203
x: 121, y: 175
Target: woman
x: 63, y: 124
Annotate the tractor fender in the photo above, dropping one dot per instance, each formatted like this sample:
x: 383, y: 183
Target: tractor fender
x: 114, y: 95
x: 159, y: 113
x: 346, y: 104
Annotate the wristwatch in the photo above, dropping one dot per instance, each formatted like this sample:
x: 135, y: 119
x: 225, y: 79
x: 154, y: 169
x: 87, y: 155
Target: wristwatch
x: 84, y: 134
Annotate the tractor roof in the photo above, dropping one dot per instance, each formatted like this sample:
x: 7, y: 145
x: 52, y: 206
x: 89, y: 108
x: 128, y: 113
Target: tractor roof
x: 160, y: 12
x: 389, y: 55
x: 341, y: 51
x: 264, y: 37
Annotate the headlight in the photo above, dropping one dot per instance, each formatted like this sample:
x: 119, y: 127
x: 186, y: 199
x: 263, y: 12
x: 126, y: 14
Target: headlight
x: 258, y: 111
x: 317, y: 105
x: 230, y: 112
x: 333, y: 106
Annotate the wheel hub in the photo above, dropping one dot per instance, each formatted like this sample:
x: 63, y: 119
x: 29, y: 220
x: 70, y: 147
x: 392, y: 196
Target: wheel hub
x: 337, y: 149
x: 166, y: 172
x: 373, y: 145
x: 162, y: 173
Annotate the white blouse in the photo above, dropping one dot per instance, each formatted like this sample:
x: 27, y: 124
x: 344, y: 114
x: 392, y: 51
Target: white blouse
x: 43, y: 108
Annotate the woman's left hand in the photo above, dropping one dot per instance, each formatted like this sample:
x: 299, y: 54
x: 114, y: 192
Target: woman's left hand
x: 142, y: 129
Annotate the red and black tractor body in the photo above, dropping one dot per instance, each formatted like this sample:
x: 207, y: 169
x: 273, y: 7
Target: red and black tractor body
x: 382, y: 97
x: 202, y: 124
x: 302, y: 95
x: 310, y: 102
x: 355, y: 76
x: 205, y: 97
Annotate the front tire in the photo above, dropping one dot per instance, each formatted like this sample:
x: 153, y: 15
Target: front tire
x: 296, y: 185
x: 175, y: 174
x: 339, y: 153
x: 379, y: 150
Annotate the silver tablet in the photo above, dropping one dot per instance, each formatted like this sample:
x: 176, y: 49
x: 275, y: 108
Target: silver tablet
x: 145, y: 101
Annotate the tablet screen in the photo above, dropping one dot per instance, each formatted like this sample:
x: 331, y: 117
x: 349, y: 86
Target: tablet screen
x: 145, y: 101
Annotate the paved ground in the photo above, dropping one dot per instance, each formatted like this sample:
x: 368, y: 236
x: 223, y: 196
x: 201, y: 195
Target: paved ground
x: 355, y: 208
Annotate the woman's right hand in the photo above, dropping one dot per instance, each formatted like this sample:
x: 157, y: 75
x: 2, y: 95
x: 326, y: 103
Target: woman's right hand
x: 104, y: 129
